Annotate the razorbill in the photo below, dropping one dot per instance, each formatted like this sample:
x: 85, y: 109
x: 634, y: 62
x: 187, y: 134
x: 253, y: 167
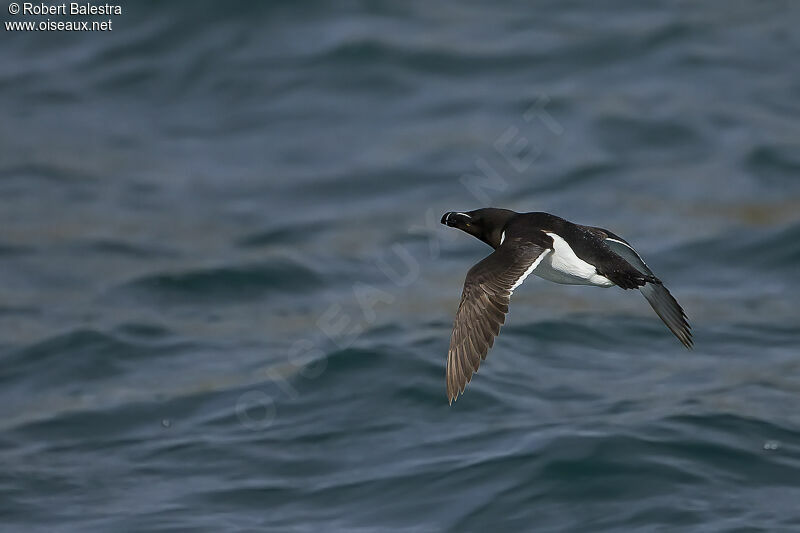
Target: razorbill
x: 554, y: 249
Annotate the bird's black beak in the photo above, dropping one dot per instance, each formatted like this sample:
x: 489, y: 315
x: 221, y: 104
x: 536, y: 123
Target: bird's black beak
x: 454, y: 219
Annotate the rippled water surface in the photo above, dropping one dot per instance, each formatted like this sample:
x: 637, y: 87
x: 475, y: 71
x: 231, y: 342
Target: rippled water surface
x: 226, y: 297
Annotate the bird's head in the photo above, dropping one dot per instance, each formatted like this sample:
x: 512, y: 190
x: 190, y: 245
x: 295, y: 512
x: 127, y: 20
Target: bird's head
x: 485, y: 224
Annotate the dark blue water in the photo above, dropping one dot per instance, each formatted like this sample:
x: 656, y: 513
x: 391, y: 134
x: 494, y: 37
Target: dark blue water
x: 226, y: 299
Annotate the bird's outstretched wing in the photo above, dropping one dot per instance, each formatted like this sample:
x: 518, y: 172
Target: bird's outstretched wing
x: 656, y: 294
x: 484, y: 304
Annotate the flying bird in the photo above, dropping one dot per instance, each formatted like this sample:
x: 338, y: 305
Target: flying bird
x: 554, y: 249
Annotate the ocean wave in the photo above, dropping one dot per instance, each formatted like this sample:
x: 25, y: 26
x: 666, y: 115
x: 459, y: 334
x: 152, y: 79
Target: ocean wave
x: 226, y: 283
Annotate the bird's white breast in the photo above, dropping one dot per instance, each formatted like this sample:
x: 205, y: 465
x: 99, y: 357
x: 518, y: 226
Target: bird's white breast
x: 563, y: 266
